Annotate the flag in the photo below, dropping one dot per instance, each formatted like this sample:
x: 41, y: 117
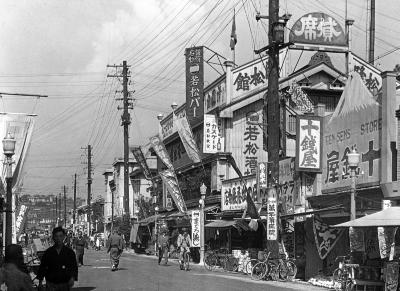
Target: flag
x: 233, y: 33
x: 186, y: 135
x: 161, y: 151
x: 170, y: 180
x: 232, y: 162
x: 251, y: 207
x: 141, y: 160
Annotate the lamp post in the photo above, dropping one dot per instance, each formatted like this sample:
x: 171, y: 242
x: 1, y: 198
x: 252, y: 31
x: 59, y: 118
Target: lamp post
x: 156, y: 230
x: 203, y: 191
x: 353, y: 160
x: 9, y: 149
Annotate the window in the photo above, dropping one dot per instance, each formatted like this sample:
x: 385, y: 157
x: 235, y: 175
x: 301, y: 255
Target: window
x: 292, y: 124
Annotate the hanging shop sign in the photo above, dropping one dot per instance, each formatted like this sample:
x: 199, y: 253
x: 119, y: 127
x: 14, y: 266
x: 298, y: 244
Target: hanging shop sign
x: 262, y: 175
x: 194, y: 83
x: 325, y: 237
x: 141, y: 160
x: 215, y: 95
x: 234, y: 193
x: 317, y: 30
x: 213, y: 140
x: 196, y: 224
x: 187, y: 138
x: 355, y: 124
x: 167, y: 124
x: 272, y: 225
x: 171, y: 182
x: 20, y: 219
x: 370, y: 75
x: 161, y: 151
x: 309, y: 143
x: 287, y: 184
x: 386, y: 240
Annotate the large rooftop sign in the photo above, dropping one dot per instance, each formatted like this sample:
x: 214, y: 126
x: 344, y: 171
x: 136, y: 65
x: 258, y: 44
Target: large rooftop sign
x: 316, y: 30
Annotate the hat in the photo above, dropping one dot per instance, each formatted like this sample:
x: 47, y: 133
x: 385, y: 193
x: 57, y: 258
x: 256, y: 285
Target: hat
x: 184, y: 229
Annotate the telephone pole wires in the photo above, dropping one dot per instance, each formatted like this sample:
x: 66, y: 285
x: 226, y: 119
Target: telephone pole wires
x: 126, y: 121
x: 89, y: 187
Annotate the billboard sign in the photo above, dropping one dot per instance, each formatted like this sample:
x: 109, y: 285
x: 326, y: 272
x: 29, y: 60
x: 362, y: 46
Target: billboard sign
x: 196, y: 224
x: 213, y: 140
x: 194, y: 83
x: 309, y: 143
x: 234, y: 193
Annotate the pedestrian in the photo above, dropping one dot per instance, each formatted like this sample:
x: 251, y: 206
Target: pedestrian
x: 115, y: 246
x: 12, y: 274
x: 163, y: 246
x: 80, y: 244
x: 184, y: 243
x: 97, y: 243
x: 58, y: 265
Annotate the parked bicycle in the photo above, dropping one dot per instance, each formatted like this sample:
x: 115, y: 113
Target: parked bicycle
x: 220, y: 259
x: 344, y: 275
x: 274, y: 269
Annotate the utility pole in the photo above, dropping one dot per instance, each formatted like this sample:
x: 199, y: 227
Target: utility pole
x: 65, y: 207
x: 126, y: 121
x: 372, y: 34
x: 74, y: 211
x: 89, y: 187
x: 59, y: 208
x: 56, y: 211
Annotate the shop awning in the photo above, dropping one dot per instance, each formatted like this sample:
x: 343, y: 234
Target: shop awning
x: 387, y: 217
x: 221, y: 224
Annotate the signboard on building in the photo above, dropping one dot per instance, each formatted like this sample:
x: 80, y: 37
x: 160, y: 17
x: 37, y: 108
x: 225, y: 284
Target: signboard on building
x: 355, y: 124
x: 167, y: 124
x: 317, y: 30
x: 213, y: 140
x: 370, y: 75
x: 168, y: 177
x: 287, y: 184
x: 234, y: 193
x: 159, y: 148
x: 262, y: 175
x: 272, y: 225
x: 196, y: 224
x: 309, y: 143
x: 194, y: 83
x: 215, y: 95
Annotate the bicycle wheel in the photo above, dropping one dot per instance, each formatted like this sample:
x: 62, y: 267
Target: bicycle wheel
x: 211, y: 262
x: 283, y: 271
x: 249, y: 266
x: 292, y: 270
x: 259, y: 271
x: 350, y: 286
x: 337, y: 279
x: 274, y: 272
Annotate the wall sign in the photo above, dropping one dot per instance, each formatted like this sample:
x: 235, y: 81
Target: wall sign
x: 317, y: 29
x: 196, y: 224
x: 194, y: 83
x: 213, y: 140
x: 370, y: 75
x: 287, y: 184
x: 234, y: 193
x: 272, y: 225
x: 309, y: 143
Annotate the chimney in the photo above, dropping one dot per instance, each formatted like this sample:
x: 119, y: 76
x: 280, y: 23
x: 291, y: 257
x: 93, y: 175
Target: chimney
x: 388, y: 132
x: 228, y: 64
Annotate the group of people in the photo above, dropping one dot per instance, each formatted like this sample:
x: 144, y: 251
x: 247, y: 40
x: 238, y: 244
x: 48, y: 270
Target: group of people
x: 58, y: 265
x: 183, y: 243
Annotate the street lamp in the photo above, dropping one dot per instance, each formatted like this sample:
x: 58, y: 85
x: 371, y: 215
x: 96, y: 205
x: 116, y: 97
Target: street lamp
x: 173, y: 106
x: 203, y: 191
x: 353, y: 159
x: 9, y: 149
x: 156, y: 230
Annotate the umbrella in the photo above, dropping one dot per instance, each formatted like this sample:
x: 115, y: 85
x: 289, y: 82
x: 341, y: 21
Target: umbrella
x: 387, y: 217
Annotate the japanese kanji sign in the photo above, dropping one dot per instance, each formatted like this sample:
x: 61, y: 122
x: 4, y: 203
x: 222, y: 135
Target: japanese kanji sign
x: 141, y: 160
x: 355, y: 124
x: 287, y: 184
x: 213, y: 140
x: 370, y: 75
x: 317, y: 28
x: 325, y: 237
x: 272, y: 217
x: 194, y: 83
x: 308, y: 143
x: 186, y: 135
x: 234, y: 193
x: 161, y: 151
x: 196, y: 224
x: 171, y: 182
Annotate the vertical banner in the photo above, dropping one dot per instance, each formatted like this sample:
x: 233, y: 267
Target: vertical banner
x: 309, y: 143
x: 272, y: 225
x: 161, y: 151
x: 186, y: 135
x: 194, y: 83
x: 325, y: 237
x: 139, y: 157
x: 196, y: 224
x: 287, y: 185
x: 386, y: 241
x: 392, y: 276
x: 213, y: 140
x: 171, y: 182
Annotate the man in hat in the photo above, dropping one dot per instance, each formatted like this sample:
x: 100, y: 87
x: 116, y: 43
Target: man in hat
x: 115, y: 246
x: 163, y: 246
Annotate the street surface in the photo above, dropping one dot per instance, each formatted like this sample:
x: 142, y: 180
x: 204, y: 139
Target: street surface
x: 140, y: 272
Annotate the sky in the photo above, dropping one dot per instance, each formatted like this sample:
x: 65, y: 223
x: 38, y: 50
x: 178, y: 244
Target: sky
x: 61, y: 49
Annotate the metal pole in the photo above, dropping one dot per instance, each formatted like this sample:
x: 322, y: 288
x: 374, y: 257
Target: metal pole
x: 9, y: 180
x: 372, y: 34
x: 353, y: 194
x: 202, y: 233
x: 156, y: 233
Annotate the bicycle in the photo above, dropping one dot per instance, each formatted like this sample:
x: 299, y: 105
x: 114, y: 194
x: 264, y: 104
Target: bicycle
x: 344, y: 275
x: 252, y: 262
x: 184, y: 264
x: 221, y: 258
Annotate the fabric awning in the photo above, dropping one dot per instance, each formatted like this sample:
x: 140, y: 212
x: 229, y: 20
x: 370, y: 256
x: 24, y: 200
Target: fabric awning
x: 221, y: 224
x: 387, y: 217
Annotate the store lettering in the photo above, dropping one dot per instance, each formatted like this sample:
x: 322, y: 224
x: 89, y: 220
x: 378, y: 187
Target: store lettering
x: 369, y: 127
x: 339, y: 137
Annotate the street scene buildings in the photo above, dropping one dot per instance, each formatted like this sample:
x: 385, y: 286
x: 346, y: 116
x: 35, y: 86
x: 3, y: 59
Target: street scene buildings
x: 268, y: 163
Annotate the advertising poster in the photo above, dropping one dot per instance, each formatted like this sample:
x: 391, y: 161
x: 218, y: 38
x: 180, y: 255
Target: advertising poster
x: 196, y: 224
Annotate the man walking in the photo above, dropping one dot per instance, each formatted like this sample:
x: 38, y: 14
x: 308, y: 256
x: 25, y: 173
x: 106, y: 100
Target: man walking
x: 115, y: 246
x: 58, y: 265
x: 163, y: 246
x: 80, y: 244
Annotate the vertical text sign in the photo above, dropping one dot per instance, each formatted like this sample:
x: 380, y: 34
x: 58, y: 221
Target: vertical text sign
x: 194, y: 83
x: 272, y: 227
x: 213, y: 141
x: 308, y: 143
x: 196, y: 224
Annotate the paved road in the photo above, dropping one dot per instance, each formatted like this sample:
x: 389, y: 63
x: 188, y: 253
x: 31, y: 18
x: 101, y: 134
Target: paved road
x: 139, y: 272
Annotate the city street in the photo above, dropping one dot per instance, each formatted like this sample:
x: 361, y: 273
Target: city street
x: 140, y: 272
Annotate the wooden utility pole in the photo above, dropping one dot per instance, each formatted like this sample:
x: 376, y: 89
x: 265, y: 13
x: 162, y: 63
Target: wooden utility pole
x: 89, y: 187
x: 74, y: 211
x: 372, y: 34
x: 56, y: 211
x: 126, y: 121
x: 65, y: 206
x: 59, y: 208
